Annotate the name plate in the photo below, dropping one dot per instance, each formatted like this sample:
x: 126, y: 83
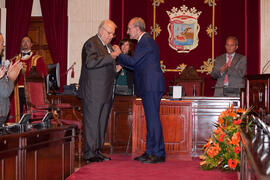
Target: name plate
x: 177, y: 92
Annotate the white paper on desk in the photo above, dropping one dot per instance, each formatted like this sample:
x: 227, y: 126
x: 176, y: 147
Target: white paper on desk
x: 177, y: 92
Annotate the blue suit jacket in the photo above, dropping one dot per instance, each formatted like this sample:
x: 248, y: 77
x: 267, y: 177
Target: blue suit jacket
x: 145, y: 63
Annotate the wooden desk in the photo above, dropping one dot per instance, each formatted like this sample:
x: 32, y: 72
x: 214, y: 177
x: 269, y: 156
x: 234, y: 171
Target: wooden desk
x: 120, y: 123
x: 118, y: 128
x: 38, y: 154
x: 70, y: 99
x: 205, y: 112
x: 176, y: 120
x: 253, y: 166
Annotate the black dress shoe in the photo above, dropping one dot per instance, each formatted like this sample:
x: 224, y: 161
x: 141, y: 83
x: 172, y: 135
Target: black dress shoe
x: 105, y: 158
x: 154, y: 159
x: 142, y: 157
x: 93, y: 159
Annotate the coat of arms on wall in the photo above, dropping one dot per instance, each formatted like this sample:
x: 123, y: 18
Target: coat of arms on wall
x: 183, y: 29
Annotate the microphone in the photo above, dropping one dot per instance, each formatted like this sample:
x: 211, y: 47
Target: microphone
x: 265, y: 67
x: 70, y: 68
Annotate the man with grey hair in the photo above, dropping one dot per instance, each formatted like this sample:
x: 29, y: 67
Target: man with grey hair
x: 96, y: 83
x: 229, y: 70
x: 149, y: 85
x: 8, y: 75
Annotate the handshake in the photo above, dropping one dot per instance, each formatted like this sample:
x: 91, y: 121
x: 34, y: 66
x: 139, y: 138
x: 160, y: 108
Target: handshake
x: 116, y: 51
x: 114, y: 54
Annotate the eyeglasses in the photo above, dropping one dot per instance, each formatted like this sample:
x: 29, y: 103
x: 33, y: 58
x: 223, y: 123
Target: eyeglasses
x: 109, y: 33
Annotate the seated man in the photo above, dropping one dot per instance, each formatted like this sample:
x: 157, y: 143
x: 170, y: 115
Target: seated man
x: 7, y: 78
x: 229, y: 70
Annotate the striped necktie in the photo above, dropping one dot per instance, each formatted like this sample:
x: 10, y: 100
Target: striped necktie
x: 226, y: 80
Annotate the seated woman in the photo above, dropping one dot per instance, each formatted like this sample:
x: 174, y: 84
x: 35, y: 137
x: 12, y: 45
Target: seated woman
x: 124, y: 81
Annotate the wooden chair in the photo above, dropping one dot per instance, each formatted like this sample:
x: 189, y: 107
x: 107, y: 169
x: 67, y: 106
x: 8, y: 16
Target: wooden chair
x: 193, y: 84
x: 38, y: 105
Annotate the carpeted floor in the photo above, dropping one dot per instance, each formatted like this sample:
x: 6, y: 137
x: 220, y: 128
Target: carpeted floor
x: 122, y: 167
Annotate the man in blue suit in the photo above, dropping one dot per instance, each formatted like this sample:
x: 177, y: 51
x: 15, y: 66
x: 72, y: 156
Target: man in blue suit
x: 149, y: 85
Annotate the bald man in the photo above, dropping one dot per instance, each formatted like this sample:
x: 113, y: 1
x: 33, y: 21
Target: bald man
x: 149, y: 85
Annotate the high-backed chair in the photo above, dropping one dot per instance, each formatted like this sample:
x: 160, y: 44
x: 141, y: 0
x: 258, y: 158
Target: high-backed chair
x: 36, y: 99
x: 193, y: 84
x: 38, y: 105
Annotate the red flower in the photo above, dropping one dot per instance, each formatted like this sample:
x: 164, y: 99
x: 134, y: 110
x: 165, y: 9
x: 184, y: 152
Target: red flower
x: 232, y: 163
x: 221, y: 138
x: 237, y: 149
x: 236, y: 122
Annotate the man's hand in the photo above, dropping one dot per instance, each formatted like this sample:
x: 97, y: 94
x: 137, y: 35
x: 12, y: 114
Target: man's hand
x: 14, y: 70
x: 118, y: 68
x: 114, y: 54
x: 2, y: 71
x: 224, y: 68
x: 116, y: 51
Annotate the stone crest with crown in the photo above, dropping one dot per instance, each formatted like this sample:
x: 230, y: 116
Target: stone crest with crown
x: 183, y: 29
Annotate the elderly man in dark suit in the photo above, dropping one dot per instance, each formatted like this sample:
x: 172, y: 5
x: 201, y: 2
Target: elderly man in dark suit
x: 229, y: 70
x: 96, y: 84
x: 149, y: 85
x: 7, y: 77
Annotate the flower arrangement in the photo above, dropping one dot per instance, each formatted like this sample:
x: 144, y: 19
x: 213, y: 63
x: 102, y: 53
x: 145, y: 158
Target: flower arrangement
x: 223, y: 147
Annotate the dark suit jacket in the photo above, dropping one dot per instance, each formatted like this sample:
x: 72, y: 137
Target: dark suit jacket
x: 97, y: 72
x: 146, y: 66
x: 6, y: 88
x: 236, y: 72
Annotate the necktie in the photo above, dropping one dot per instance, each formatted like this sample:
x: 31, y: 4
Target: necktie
x: 24, y: 54
x: 105, y: 46
x: 108, y: 48
x: 226, y: 81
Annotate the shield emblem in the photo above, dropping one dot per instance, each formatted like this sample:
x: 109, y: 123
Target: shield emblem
x: 183, y: 29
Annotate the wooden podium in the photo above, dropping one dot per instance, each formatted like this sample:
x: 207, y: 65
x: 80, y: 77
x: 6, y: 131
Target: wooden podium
x: 176, y: 120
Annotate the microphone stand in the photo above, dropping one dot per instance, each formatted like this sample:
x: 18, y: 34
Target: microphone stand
x: 71, y: 67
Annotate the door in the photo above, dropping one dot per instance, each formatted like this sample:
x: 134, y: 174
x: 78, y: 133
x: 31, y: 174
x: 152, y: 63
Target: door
x: 40, y: 45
